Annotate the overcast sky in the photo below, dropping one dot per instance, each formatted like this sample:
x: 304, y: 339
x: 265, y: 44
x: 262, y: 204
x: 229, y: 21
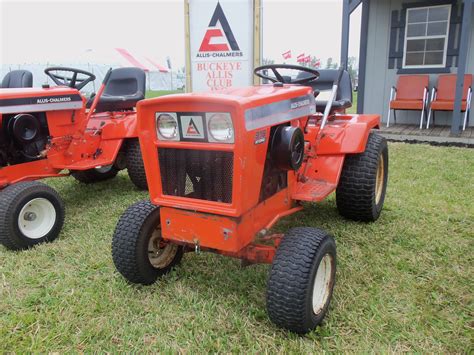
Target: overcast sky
x: 38, y: 31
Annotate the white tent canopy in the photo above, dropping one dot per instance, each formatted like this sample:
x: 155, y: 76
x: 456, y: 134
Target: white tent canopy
x: 159, y: 77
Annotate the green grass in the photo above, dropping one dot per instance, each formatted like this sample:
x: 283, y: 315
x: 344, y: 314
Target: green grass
x: 404, y: 283
x: 156, y: 93
x: 353, y: 109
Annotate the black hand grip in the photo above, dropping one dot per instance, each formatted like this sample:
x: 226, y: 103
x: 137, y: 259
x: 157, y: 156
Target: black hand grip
x: 339, y: 76
x: 107, y: 76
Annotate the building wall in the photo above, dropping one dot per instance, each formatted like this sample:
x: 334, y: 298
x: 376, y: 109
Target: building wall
x: 379, y: 79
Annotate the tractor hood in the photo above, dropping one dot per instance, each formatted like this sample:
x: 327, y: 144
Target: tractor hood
x: 262, y: 106
x: 39, y: 99
x: 246, y: 97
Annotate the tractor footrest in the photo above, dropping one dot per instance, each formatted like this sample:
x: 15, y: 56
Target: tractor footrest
x: 312, y: 190
x: 84, y: 164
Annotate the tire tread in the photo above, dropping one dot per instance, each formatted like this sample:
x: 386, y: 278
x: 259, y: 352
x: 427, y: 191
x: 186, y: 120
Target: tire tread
x: 9, y: 198
x: 128, y: 240
x: 355, y: 193
x: 125, y: 238
x: 289, y: 280
x: 135, y: 165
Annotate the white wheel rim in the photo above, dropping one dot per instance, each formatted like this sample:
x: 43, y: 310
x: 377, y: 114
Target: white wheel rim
x: 160, y: 254
x: 103, y: 169
x: 322, y: 284
x: 37, y: 218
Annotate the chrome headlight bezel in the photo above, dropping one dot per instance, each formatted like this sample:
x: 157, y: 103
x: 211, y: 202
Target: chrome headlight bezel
x: 220, y: 135
x: 162, y: 133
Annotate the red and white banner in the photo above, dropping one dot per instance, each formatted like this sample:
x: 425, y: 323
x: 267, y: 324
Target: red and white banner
x: 287, y: 55
x: 221, y: 43
x: 300, y: 58
x: 144, y: 63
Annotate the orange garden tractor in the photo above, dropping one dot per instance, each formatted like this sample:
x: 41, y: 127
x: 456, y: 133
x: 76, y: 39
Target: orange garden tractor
x: 223, y: 168
x: 54, y: 131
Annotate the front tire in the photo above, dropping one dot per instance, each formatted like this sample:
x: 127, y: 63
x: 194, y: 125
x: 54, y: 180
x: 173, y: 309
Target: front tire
x: 135, y: 166
x: 90, y: 176
x: 138, y: 251
x: 360, y: 193
x: 30, y: 213
x: 302, y: 279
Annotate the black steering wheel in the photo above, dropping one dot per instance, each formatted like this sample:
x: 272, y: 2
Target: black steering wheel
x: 71, y: 81
x: 314, y: 74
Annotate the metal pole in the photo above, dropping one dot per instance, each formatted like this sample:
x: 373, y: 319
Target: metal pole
x: 346, y: 16
x: 363, y: 55
x: 187, y: 33
x: 466, y: 26
x: 257, y: 39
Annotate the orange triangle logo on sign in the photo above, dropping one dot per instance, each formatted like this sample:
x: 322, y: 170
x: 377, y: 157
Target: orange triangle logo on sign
x: 192, y: 129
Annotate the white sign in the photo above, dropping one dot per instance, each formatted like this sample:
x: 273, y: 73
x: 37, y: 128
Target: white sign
x: 220, y: 46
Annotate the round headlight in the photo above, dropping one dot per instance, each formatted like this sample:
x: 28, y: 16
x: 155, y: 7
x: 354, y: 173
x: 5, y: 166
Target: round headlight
x: 220, y: 127
x: 167, y: 126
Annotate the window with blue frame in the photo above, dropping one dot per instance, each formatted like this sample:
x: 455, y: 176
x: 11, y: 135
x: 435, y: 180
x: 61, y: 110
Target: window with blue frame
x: 426, y: 37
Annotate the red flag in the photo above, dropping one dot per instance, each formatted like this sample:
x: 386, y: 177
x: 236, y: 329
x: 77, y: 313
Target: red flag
x: 287, y: 55
x: 300, y: 58
x: 131, y: 59
x: 307, y: 59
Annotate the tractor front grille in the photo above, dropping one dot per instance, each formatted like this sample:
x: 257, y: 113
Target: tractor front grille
x: 201, y: 174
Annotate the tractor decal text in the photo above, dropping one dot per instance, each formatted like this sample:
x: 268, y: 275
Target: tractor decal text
x: 48, y: 100
x: 41, y: 103
x: 279, y: 112
x: 299, y: 104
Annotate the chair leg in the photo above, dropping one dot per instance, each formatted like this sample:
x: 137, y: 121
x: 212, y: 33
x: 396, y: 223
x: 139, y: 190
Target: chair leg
x: 422, y: 117
x: 388, y: 117
x: 467, y: 115
x: 433, y: 98
x: 423, y: 108
x: 394, y: 116
x: 428, y: 120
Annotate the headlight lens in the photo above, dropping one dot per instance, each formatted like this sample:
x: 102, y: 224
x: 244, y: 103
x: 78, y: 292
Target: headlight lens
x: 167, y: 125
x: 220, y: 127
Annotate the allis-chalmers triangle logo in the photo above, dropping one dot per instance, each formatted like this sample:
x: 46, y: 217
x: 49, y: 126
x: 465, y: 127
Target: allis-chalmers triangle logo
x: 192, y: 129
x: 219, y: 38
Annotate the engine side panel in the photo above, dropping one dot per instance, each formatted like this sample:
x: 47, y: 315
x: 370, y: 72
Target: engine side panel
x: 23, y: 137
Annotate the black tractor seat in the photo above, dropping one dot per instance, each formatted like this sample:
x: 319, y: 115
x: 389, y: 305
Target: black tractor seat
x: 323, y: 85
x: 126, y: 86
x: 18, y: 79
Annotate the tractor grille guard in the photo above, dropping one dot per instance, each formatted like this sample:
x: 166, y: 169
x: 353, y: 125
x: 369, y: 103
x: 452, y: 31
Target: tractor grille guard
x: 200, y: 174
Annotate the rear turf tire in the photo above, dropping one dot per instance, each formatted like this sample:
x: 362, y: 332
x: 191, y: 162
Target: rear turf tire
x: 132, y: 253
x: 135, y: 166
x: 95, y: 175
x: 361, y: 191
x: 31, y: 213
x: 302, y: 279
